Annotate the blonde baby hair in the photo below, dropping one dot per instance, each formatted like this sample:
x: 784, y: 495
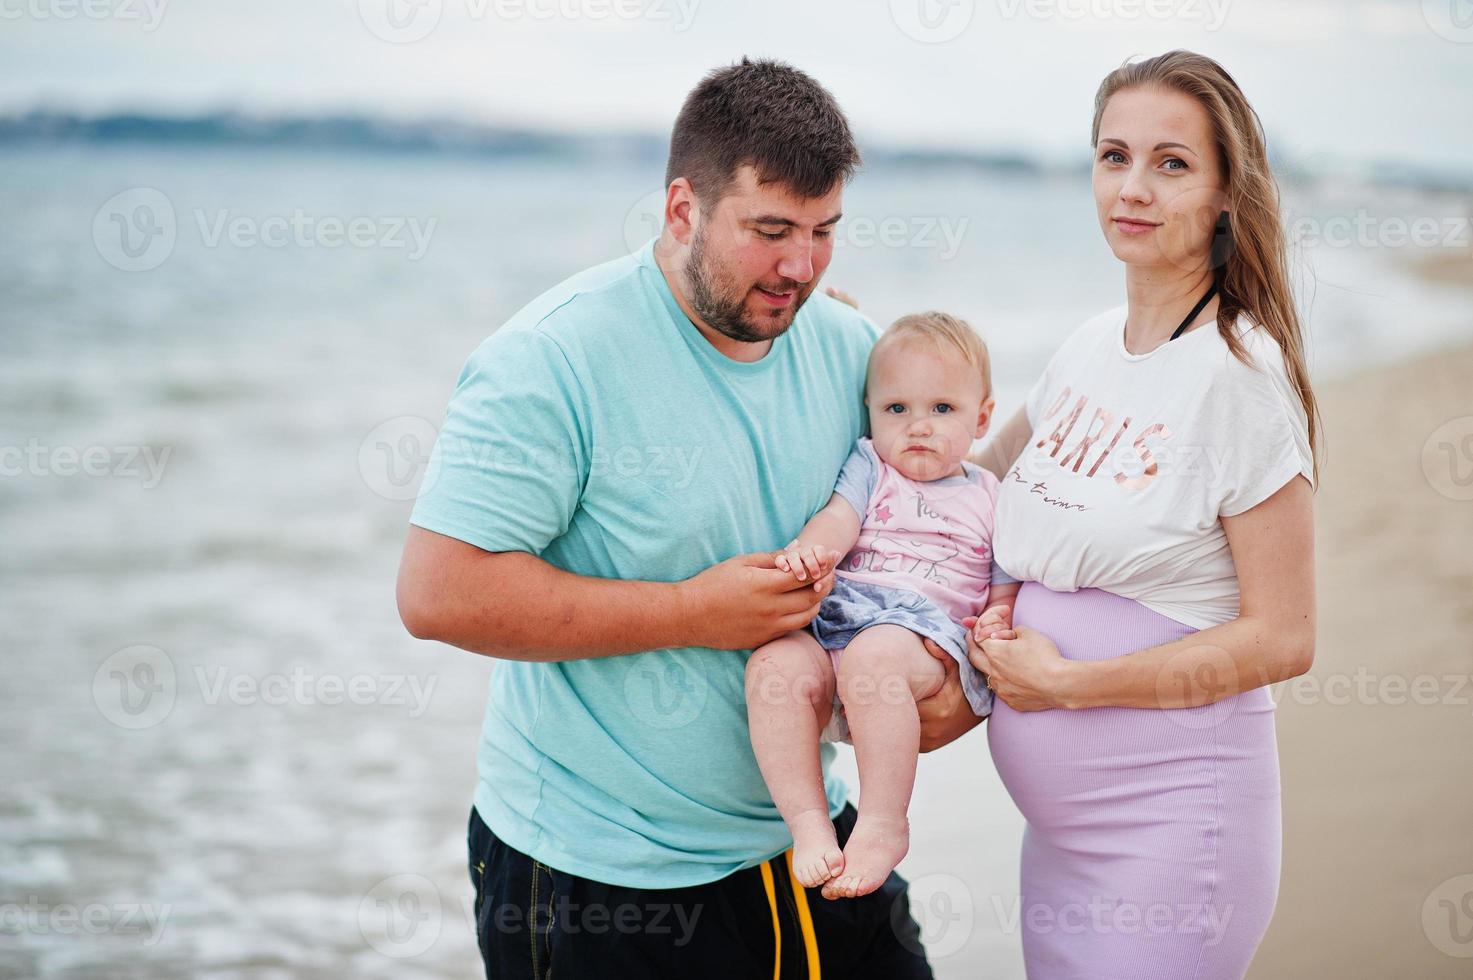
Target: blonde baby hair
x: 949, y: 333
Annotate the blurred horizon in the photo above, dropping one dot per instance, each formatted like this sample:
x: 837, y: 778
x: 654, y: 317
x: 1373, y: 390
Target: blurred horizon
x: 912, y: 73
x: 357, y: 132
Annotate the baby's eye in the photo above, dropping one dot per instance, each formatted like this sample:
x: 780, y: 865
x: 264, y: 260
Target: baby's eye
x: 895, y: 408
x: 943, y: 407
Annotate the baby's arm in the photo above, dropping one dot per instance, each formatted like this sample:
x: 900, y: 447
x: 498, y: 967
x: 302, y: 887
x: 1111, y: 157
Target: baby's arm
x: 998, y: 615
x: 826, y: 538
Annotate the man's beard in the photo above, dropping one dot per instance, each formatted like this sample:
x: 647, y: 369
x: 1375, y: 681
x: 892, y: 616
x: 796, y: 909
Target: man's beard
x: 710, y: 297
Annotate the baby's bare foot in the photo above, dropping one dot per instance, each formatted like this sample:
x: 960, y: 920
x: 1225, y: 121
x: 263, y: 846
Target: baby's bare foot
x: 874, y: 849
x: 816, y: 854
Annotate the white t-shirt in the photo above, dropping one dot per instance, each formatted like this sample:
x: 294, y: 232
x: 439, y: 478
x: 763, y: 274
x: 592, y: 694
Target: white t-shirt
x: 1134, y: 459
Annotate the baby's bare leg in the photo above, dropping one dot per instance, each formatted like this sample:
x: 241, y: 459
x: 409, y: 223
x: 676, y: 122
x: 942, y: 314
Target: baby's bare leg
x: 882, y: 674
x: 790, y: 693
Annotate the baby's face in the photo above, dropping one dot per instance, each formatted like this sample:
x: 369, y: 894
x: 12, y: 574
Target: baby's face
x: 925, y: 408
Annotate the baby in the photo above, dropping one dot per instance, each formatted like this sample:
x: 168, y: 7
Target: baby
x: 912, y: 521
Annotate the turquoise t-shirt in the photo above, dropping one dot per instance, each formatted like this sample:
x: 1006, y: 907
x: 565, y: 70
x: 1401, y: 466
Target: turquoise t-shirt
x: 599, y: 430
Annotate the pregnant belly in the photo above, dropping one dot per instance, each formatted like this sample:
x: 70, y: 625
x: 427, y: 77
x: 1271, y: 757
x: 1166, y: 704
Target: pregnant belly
x: 1090, y: 768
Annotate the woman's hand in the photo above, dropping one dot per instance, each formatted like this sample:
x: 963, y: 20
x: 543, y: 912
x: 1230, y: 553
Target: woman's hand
x: 841, y: 296
x: 1023, y: 666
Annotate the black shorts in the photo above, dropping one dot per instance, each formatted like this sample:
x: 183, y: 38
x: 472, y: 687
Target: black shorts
x: 535, y: 922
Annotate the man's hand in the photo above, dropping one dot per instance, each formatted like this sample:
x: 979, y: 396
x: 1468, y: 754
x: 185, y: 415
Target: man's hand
x: 945, y: 715
x: 743, y: 602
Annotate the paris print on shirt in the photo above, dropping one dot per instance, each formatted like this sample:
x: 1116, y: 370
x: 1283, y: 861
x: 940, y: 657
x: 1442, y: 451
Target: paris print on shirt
x: 1090, y: 444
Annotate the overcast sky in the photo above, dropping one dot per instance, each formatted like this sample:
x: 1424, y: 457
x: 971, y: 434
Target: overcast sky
x: 1333, y: 79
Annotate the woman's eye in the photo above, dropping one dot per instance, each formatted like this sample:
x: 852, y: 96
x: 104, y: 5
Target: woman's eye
x: 1113, y: 156
x: 1170, y: 160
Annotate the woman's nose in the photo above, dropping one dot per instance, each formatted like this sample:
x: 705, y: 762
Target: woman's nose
x: 1136, y: 189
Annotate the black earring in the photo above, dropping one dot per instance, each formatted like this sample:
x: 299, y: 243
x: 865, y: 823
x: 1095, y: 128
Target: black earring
x: 1222, y: 241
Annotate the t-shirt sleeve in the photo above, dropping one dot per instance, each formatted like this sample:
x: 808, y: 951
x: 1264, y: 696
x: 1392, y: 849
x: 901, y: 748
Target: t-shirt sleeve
x: 511, y: 460
x: 1262, y: 427
x: 857, y: 478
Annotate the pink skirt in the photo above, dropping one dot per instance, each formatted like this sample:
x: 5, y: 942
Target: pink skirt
x: 1153, y: 836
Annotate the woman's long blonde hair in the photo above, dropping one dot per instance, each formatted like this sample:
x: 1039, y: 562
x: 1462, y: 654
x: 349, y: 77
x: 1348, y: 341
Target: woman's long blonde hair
x: 1254, y: 279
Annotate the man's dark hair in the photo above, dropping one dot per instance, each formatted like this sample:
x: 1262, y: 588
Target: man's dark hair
x: 767, y: 114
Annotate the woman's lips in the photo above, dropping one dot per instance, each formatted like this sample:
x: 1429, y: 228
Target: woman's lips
x: 1135, y: 226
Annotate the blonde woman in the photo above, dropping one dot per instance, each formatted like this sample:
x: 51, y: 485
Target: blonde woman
x: 1156, y: 502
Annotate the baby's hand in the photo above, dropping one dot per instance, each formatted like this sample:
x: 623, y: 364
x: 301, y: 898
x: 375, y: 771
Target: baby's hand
x: 996, y: 621
x: 807, y: 561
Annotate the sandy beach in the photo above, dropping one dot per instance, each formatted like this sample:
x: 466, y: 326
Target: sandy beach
x: 1374, y: 742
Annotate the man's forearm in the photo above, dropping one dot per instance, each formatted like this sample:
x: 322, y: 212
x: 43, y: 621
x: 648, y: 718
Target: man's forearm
x: 516, y: 606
